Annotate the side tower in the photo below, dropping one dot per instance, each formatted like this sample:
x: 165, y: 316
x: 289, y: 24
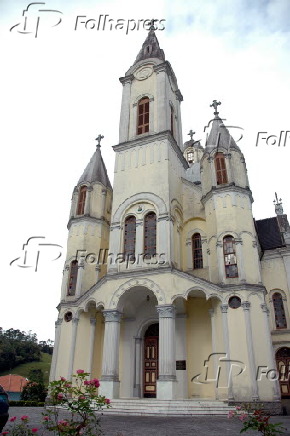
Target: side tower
x: 227, y: 198
x: 88, y: 238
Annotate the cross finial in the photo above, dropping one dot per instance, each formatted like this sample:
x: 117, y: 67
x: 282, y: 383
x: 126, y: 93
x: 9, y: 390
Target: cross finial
x: 99, y: 138
x: 215, y: 104
x: 152, y: 24
x: 191, y: 133
x: 278, y: 205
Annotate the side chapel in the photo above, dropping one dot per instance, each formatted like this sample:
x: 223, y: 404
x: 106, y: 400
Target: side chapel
x: 186, y: 287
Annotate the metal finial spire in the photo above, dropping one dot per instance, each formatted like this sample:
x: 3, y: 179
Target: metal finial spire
x: 215, y: 104
x: 191, y: 133
x: 99, y: 138
x: 278, y: 205
x: 152, y: 24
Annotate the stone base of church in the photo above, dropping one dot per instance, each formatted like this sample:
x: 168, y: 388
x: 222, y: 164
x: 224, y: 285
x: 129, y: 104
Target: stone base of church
x: 110, y: 389
x: 166, y: 389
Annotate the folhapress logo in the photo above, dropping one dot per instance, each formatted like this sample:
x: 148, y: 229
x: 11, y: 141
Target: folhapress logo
x: 31, y: 19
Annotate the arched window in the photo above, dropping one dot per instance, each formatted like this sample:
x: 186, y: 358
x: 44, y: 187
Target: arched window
x: 280, y: 317
x: 220, y: 169
x: 143, y: 116
x: 196, y: 251
x: 130, y: 236
x: 230, y: 259
x: 150, y: 234
x: 73, y: 275
x: 82, y: 200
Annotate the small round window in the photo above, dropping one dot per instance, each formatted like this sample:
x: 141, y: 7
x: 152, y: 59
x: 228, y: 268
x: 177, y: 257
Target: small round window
x: 234, y: 302
x: 68, y: 316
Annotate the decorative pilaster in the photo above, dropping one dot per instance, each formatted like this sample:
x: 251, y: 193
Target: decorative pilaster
x: 114, y: 247
x: 110, y: 366
x: 220, y: 261
x: 240, y: 260
x: 125, y: 109
x: 75, y: 322
x: 249, y: 338
x: 81, y: 267
x: 167, y: 360
x: 224, y: 310
x: 212, y: 171
x: 137, y: 368
x: 64, y: 285
x: 88, y: 201
x: 93, y: 322
x: 104, y: 196
x: 272, y: 363
x: 55, y: 348
x: 139, y: 244
x: 214, y: 349
x: 162, y: 109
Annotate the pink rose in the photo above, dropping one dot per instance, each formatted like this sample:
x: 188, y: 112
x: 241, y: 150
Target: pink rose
x: 82, y: 397
x: 24, y: 418
x: 107, y: 401
x: 80, y: 371
x: 46, y: 418
x: 63, y: 379
x: 34, y: 430
x: 96, y: 382
x: 5, y: 432
x: 12, y: 419
x: 68, y: 385
x: 87, y: 382
x: 60, y: 396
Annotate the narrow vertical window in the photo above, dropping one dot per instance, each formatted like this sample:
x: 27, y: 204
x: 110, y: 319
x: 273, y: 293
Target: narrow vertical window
x: 130, y: 236
x: 82, y: 200
x: 280, y: 317
x: 230, y: 259
x: 196, y: 251
x: 143, y: 116
x: 150, y: 234
x: 73, y: 275
x: 220, y: 168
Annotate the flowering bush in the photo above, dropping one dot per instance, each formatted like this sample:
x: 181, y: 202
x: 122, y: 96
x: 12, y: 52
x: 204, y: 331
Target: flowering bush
x: 256, y: 420
x: 80, y: 397
x: 20, y: 428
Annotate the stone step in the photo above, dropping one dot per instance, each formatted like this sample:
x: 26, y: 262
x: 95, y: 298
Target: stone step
x: 151, y: 407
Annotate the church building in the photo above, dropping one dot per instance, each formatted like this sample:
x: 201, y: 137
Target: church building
x: 171, y: 289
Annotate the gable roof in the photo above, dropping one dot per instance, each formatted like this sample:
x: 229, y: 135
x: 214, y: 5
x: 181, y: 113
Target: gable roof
x: 269, y: 234
x: 13, y: 382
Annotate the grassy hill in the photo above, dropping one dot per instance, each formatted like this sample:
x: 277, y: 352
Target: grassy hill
x: 24, y: 368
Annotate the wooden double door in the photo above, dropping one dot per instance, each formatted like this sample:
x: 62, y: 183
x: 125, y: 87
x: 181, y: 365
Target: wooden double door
x: 283, y: 367
x: 150, y: 365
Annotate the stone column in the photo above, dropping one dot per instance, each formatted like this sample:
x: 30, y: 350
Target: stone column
x: 214, y: 350
x: 166, y: 383
x: 249, y: 338
x: 81, y: 267
x: 55, y: 349
x: 137, y: 369
x: 125, y: 109
x: 91, y: 343
x: 75, y: 322
x: 224, y: 309
x: 110, y: 384
x: 272, y: 362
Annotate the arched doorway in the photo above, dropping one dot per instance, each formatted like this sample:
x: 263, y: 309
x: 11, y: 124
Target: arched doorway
x: 150, y: 372
x: 283, y: 366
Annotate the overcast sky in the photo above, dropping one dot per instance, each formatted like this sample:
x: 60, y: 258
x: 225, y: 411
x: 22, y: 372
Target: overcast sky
x: 59, y: 90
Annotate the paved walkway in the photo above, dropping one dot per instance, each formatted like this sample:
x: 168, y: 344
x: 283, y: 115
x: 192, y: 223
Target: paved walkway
x: 159, y: 426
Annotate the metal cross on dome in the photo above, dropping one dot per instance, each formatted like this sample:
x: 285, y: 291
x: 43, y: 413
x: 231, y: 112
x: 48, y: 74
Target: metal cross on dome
x: 191, y: 133
x: 215, y: 104
x: 99, y: 138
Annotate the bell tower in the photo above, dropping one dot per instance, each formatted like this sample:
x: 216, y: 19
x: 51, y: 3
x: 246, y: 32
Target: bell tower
x: 149, y: 158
